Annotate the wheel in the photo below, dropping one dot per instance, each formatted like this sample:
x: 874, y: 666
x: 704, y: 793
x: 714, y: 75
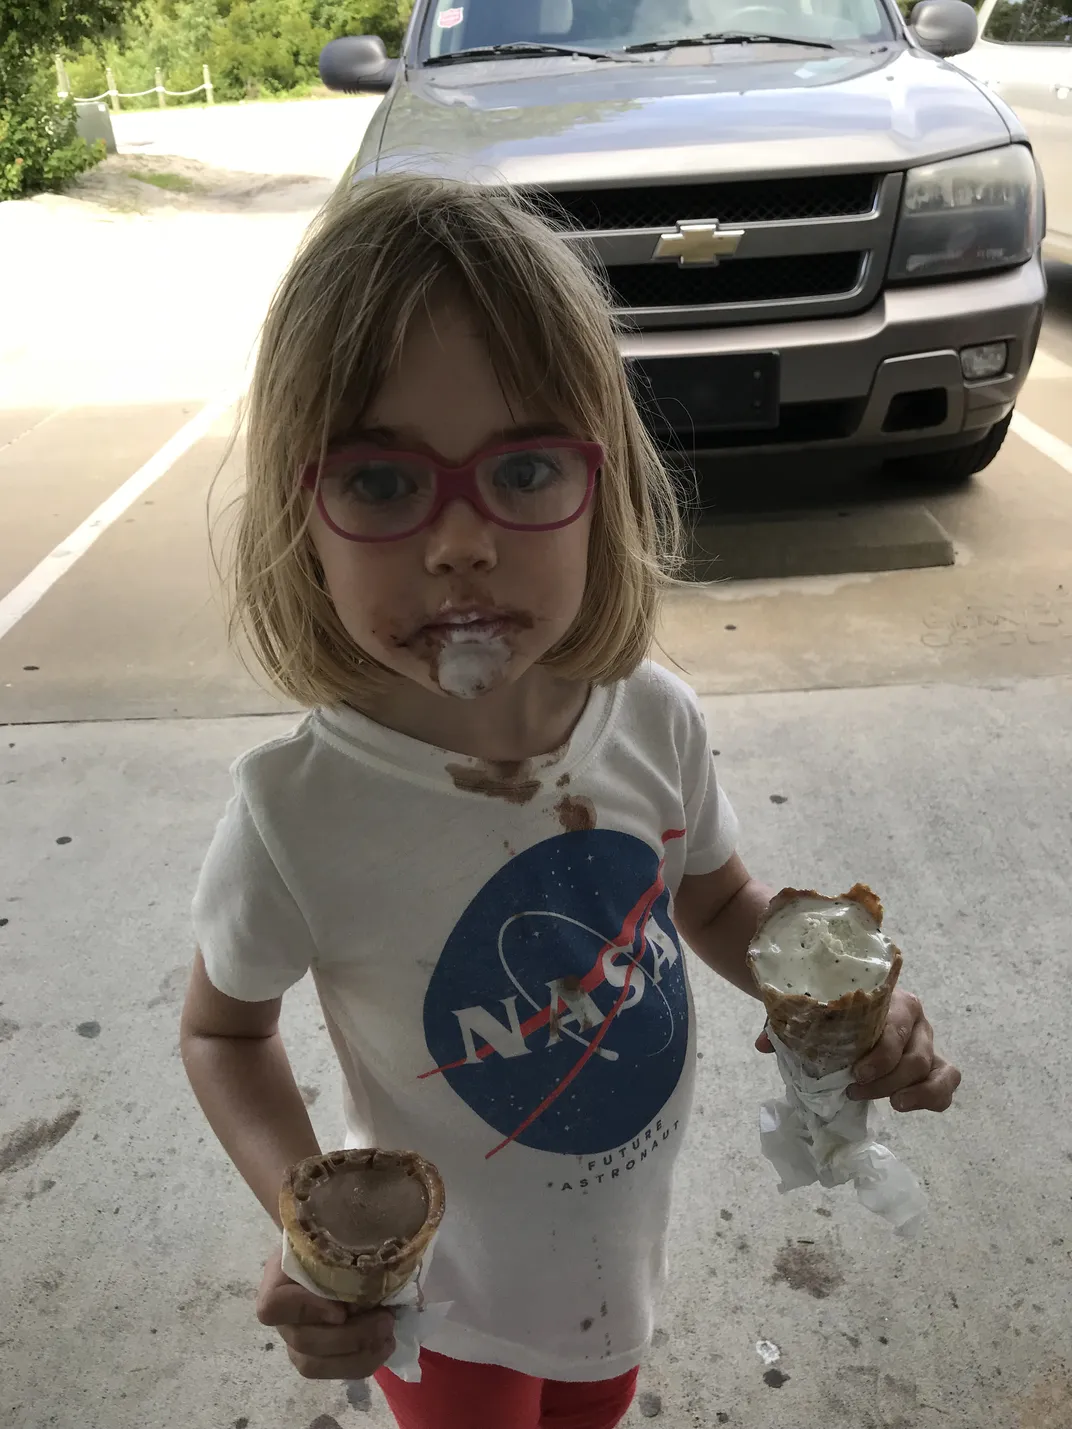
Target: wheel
x: 955, y: 466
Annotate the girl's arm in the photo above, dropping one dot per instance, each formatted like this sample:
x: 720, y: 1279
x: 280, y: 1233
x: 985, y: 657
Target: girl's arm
x: 238, y: 1068
x: 718, y: 914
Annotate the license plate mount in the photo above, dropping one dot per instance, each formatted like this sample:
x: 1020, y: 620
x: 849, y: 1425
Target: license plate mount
x: 727, y: 392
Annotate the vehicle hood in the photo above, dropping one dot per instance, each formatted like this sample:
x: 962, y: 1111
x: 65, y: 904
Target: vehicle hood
x: 718, y: 110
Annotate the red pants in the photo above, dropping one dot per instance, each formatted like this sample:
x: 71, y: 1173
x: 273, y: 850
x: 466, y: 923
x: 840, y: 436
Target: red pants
x: 455, y: 1395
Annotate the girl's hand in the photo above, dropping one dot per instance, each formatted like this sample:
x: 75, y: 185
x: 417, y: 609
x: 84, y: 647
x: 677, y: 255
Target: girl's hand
x: 904, y: 1065
x: 324, y: 1338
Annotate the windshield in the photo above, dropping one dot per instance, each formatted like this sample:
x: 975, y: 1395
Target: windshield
x: 616, y: 24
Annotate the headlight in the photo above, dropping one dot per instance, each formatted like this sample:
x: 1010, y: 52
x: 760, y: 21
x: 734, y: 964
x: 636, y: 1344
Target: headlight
x: 967, y: 215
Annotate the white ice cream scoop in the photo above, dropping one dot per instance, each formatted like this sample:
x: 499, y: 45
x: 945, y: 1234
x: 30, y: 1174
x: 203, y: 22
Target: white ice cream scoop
x: 822, y: 948
x: 826, y: 972
x: 471, y: 663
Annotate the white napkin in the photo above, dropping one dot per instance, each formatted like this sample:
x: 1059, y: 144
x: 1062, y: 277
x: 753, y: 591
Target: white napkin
x: 414, y: 1321
x: 818, y: 1134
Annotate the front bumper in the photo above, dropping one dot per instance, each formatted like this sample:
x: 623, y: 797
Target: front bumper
x: 839, y: 376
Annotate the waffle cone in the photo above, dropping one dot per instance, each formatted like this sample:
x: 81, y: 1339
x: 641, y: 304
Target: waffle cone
x: 828, y: 1037
x: 361, y: 1278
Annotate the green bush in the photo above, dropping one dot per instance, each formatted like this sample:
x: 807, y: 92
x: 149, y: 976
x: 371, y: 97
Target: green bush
x: 39, y: 147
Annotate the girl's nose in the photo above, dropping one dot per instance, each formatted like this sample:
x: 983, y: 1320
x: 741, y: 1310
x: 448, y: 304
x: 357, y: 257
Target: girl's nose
x: 460, y: 539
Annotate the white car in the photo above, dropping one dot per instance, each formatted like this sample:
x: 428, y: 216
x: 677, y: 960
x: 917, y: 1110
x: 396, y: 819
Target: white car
x: 1024, y: 55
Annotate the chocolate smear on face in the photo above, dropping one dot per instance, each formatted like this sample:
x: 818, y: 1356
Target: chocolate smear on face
x: 512, y: 780
x: 575, y: 813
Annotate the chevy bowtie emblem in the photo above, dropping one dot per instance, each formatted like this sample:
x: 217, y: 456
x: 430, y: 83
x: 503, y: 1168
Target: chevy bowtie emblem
x: 698, y: 244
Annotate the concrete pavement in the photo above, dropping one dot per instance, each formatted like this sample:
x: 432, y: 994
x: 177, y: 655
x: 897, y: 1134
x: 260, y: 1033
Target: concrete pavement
x: 134, y: 1249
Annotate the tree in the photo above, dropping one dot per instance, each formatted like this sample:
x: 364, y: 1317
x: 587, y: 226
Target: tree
x: 47, y: 25
x: 39, y: 147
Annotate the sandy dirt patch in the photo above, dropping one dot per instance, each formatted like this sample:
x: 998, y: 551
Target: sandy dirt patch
x: 136, y: 183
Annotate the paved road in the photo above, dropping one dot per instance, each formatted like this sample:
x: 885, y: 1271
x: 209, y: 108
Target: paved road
x: 310, y: 136
x: 909, y: 726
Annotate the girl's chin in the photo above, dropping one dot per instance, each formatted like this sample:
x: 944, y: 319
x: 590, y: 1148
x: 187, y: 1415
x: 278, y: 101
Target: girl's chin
x: 468, y: 677
x: 460, y: 670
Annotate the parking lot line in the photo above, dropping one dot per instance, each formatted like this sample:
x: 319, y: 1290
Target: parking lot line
x: 22, y: 599
x: 1043, y: 441
x: 18, y: 431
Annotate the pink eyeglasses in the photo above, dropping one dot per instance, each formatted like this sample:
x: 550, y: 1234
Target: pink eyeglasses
x: 370, y: 493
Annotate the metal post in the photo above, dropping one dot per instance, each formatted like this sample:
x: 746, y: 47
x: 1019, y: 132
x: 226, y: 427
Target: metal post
x: 160, y: 87
x: 113, y: 90
x: 208, y: 84
x: 63, y: 84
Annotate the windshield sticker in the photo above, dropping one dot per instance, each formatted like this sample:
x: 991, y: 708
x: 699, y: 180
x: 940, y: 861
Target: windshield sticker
x: 447, y: 19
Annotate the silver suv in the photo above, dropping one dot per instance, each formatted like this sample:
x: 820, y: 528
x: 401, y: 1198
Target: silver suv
x: 819, y: 235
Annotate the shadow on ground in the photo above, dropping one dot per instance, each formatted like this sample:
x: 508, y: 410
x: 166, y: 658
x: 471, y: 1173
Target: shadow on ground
x: 763, y: 484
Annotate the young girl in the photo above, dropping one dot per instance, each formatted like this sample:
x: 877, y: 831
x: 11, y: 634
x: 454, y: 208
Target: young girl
x: 498, y: 824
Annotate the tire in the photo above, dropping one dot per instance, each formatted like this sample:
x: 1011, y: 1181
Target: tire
x: 952, y: 467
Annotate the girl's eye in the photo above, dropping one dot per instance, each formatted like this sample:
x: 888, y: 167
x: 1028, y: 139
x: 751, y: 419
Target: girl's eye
x: 377, y: 483
x: 526, y: 471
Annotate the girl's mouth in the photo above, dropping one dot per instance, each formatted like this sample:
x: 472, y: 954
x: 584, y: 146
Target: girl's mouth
x: 471, y: 625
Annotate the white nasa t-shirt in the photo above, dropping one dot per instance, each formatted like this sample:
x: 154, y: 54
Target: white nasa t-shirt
x: 501, y: 977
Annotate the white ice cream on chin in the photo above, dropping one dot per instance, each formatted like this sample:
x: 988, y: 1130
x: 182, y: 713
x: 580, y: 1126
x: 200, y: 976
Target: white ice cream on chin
x: 822, y: 950
x: 471, y: 662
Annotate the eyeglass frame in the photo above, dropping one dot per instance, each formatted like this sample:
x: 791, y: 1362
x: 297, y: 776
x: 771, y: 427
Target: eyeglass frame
x: 455, y: 481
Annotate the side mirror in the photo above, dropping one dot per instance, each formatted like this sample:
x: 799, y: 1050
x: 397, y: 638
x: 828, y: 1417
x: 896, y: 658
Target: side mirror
x: 944, y: 27
x: 355, y: 63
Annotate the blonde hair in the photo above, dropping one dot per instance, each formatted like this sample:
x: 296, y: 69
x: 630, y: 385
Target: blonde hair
x: 372, y: 264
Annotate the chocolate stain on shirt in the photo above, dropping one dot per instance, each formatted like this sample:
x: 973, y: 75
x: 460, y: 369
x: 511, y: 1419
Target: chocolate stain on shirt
x: 575, y: 813
x: 512, y: 780
x: 568, y: 987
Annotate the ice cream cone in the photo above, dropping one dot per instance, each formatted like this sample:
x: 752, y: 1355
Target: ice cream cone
x: 360, y: 1222
x: 848, y: 969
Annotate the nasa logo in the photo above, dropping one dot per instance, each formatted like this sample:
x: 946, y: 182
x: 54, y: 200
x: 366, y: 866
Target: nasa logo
x: 558, y: 1010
